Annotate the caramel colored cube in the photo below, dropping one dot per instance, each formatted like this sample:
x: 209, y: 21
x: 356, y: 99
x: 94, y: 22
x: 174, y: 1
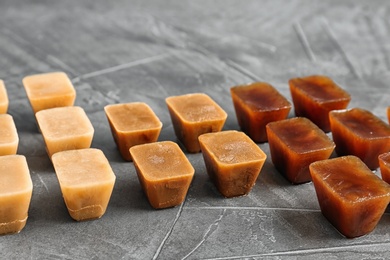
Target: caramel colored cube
x: 86, y: 180
x: 164, y: 172
x: 3, y: 98
x: 296, y: 143
x: 132, y: 124
x: 65, y: 128
x: 384, y: 164
x: 49, y: 90
x: 9, y: 139
x: 15, y: 193
x: 358, y: 132
x: 233, y: 161
x: 315, y: 96
x: 256, y: 105
x: 388, y: 114
x: 350, y: 196
x: 193, y: 115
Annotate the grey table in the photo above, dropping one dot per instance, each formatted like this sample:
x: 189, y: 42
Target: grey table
x: 125, y: 51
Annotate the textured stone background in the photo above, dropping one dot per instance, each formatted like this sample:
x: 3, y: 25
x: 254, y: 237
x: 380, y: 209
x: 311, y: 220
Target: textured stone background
x: 125, y: 51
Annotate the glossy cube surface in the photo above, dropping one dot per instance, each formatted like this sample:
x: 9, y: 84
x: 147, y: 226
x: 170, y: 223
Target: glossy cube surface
x: 384, y: 164
x: 359, y: 132
x: 296, y: 143
x: 350, y: 196
x: 315, y: 96
x: 256, y: 105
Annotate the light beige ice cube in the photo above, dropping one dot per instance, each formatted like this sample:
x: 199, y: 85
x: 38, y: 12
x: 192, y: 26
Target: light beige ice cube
x: 3, y: 98
x: 65, y: 128
x: 49, y: 90
x: 15, y: 193
x: 86, y: 181
x: 9, y: 139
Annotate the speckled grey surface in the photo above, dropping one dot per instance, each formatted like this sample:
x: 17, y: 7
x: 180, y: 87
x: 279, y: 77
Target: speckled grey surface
x: 125, y: 51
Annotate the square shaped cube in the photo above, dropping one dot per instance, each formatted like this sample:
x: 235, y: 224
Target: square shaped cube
x: 315, y: 96
x: 384, y: 164
x: 86, y: 180
x: 359, y: 132
x: 3, y: 98
x: 388, y: 114
x: 15, y: 193
x: 350, y: 196
x: 256, y: 105
x: 9, y: 139
x: 49, y: 90
x: 65, y: 128
x: 233, y: 161
x: 294, y: 144
x: 132, y: 124
x: 193, y: 115
x: 164, y: 172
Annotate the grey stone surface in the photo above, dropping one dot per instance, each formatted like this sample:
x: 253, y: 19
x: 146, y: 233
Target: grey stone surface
x: 125, y: 51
